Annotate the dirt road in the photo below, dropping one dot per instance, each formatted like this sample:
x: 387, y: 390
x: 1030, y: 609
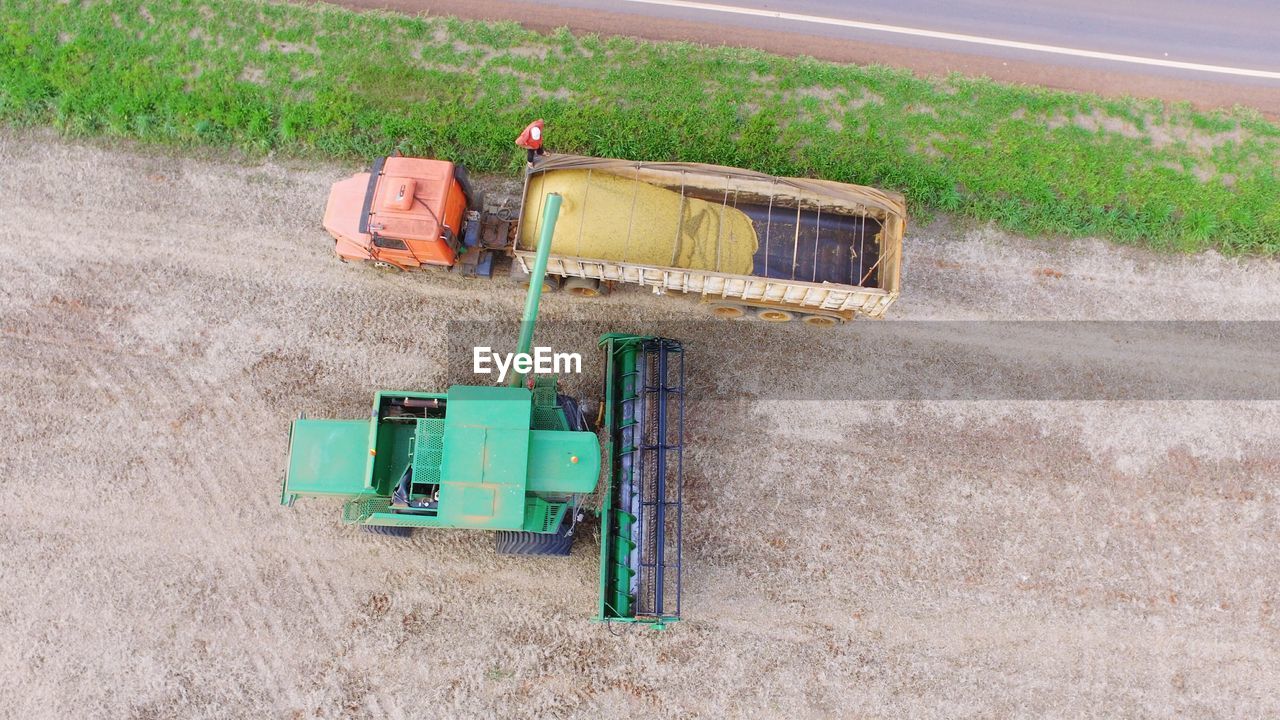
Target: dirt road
x: 162, y: 319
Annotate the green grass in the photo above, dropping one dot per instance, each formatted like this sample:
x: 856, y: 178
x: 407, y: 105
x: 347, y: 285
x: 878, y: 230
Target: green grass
x: 321, y: 81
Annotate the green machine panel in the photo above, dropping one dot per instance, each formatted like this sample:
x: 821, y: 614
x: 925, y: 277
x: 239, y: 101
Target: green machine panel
x: 563, y: 462
x: 327, y: 457
x: 482, y: 474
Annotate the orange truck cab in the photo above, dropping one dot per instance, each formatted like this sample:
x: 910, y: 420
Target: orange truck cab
x: 405, y: 212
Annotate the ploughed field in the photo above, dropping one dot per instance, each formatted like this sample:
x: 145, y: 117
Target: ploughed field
x: 846, y: 553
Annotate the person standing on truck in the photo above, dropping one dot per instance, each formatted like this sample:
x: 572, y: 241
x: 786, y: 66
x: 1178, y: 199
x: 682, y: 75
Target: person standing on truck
x: 531, y: 140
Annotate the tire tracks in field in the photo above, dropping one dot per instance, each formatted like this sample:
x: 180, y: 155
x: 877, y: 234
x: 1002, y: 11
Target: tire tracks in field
x: 219, y: 496
x: 162, y: 360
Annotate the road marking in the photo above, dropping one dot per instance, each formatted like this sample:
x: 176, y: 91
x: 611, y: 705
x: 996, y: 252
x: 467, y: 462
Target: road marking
x: 958, y: 37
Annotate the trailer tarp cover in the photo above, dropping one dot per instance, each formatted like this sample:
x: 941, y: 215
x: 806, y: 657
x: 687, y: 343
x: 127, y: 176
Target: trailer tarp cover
x: 680, y: 215
x: 667, y: 229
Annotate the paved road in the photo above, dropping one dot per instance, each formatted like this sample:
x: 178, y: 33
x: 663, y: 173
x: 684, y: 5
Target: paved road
x: 1236, y: 38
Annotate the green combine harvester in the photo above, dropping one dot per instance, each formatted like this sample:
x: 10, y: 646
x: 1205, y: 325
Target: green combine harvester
x: 523, y: 460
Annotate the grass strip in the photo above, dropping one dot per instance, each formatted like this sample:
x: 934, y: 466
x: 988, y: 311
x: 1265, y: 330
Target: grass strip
x: 323, y: 81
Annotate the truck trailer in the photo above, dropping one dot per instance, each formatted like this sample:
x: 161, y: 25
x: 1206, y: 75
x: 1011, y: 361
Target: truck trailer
x: 741, y: 242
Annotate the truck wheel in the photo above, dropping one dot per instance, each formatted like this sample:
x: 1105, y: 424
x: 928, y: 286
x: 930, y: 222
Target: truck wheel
x: 820, y: 321
x: 550, y: 283
x: 517, y: 274
x: 556, y: 544
x: 728, y: 310
x: 389, y: 530
x: 582, y: 287
x: 775, y: 315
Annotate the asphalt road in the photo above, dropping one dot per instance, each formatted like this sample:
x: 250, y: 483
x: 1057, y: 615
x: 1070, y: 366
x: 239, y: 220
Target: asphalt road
x: 1235, y: 35
x: 1212, y: 54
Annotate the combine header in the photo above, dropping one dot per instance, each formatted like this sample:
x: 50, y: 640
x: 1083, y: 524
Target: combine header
x: 521, y: 460
x: 641, y: 520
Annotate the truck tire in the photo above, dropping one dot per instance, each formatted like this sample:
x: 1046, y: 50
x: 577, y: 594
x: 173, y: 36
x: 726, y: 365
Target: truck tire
x: 389, y: 530
x: 517, y: 274
x: 728, y: 310
x: 550, y: 283
x: 820, y: 321
x: 556, y: 544
x: 777, y: 315
x: 582, y: 287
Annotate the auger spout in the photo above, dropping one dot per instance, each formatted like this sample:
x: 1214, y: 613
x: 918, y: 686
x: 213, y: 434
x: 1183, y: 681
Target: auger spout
x: 536, y: 277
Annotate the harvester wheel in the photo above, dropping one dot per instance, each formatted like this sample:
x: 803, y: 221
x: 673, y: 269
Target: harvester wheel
x: 574, y: 412
x: 384, y: 266
x: 728, y: 310
x: 820, y: 321
x: 556, y: 544
x: 582, y: 287
x: 389, y: 530
x: 775, y: 315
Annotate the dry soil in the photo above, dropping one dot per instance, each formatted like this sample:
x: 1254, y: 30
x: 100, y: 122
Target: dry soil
x: 163, y: 318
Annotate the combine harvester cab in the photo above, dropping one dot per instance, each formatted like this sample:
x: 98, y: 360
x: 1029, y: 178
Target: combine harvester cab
x: 780, y: 248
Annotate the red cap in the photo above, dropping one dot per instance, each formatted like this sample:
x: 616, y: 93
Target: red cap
x: 531, y: 138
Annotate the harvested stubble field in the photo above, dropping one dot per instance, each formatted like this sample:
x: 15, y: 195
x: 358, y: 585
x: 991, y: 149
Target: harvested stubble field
x: 163, y: 318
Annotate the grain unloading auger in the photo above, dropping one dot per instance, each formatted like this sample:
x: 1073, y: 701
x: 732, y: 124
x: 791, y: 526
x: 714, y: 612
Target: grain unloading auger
x: 522, y: 460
